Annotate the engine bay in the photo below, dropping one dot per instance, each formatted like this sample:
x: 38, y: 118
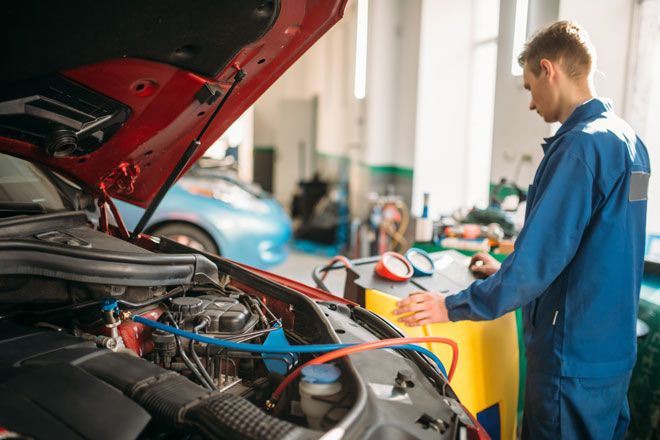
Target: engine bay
x: 197, y: 346
x: 170, y: 377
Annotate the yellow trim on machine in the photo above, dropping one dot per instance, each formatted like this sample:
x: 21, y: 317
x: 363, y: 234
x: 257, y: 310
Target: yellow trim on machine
x: 487, y: 371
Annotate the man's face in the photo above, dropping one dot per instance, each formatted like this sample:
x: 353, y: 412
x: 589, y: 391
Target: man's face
x: 544, y: 94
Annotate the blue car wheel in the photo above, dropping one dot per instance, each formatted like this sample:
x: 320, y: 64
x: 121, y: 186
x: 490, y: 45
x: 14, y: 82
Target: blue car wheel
x: 188, y: 235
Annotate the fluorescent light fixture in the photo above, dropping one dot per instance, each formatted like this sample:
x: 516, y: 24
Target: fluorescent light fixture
x: 361, y: 49
x: 519, y: 35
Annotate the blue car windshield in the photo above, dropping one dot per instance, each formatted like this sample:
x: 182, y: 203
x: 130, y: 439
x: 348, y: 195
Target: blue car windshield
x: 218, y: 173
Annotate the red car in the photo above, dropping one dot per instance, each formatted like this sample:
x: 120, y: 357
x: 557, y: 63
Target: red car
x: 111, y: 334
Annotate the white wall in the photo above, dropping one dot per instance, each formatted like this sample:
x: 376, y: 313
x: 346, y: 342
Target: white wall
x: 481, y: 101
x: 380, y: 100
x: 454, y: 104
x: 383, y: 124
x: 643, y: 96
x: 443, y: 87
x: 378, y: 130
x: 519, y: 132
x: 295, y: 147
x: 609, y: 27
x: 325, y: 72
x: 390, y: 103
x: 410, y: 17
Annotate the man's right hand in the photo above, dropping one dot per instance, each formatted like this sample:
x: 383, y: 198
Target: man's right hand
x: 483, y: 265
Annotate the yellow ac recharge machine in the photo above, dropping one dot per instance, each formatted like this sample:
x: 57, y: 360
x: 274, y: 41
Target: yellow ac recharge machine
x: 486, y: 379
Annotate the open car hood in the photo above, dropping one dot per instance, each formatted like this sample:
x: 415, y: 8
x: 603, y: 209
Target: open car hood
x: 111, y: 95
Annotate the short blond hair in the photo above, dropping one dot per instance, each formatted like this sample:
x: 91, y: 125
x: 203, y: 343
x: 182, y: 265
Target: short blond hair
x: 563, y: 41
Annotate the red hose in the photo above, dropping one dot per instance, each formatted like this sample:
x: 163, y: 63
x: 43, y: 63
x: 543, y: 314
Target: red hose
x: 326, y: 357
x: 339, y: 258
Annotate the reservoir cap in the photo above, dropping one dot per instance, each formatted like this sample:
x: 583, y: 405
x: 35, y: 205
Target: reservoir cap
x: 323, y: 374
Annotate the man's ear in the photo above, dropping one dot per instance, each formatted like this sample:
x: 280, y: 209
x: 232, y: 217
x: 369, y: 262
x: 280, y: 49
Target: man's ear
x: 547, y: 68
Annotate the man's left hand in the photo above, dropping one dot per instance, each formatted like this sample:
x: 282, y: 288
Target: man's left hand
x: 423, y: 308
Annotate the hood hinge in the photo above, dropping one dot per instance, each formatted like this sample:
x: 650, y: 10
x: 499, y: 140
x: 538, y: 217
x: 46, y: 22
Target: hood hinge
x: 122, y: 179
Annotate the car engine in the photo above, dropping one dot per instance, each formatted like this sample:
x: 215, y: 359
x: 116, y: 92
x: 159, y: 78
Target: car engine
x: 106, y: 338
x: 180, y: 383
x: 66, y: 331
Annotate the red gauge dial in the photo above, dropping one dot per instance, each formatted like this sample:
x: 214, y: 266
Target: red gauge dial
x: 394, y: 267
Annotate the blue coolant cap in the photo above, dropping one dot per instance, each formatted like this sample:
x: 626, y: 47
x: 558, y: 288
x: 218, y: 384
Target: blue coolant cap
x: 321, y: 373
x: 277, y: 338
x: 109, y: 304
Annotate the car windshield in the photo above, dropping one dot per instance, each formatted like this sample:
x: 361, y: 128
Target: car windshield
x: 24, y: 182
x: 220, y: 173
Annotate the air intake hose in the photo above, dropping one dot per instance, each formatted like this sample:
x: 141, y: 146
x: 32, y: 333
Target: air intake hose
x: 229, y: 416
x: 173, y: 400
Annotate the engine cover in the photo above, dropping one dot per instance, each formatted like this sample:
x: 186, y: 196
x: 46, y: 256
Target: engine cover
x: 46, y: 395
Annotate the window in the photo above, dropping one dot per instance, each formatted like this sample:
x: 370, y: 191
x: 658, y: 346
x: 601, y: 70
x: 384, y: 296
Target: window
x: 519, y: 35
x: 485, y: 24
x: 643, y: 96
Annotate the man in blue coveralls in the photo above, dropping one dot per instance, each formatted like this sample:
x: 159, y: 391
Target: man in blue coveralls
x: 578, y: 263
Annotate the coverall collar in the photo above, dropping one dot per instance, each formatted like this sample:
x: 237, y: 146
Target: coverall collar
x: 586, y: 111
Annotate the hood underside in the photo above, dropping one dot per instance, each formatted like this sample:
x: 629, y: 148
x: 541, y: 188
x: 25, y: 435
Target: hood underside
x: 111, y: 94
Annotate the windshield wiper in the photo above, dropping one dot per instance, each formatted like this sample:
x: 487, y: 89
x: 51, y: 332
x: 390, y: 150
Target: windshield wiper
x: 10, y: 209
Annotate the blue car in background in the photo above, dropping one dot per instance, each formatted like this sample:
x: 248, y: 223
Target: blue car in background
x: 211, y: 210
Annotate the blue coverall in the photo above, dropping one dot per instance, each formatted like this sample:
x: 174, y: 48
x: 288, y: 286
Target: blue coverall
x: 577, y: 270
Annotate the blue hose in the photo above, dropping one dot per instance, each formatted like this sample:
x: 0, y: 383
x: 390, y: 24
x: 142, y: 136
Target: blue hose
x: 274, y: 349
x: 424, y: 351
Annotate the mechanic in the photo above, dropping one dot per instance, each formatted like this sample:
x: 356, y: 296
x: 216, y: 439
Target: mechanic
x: 578, y: 262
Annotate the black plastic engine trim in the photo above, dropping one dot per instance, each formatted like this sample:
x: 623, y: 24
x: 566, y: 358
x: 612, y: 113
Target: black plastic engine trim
x: 29, y: 257
x: 20, y: 226
x: 46, y: 395
x: 59, y: 386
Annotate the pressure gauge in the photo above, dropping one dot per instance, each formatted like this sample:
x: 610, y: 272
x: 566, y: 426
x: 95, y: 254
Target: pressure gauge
x: 394, y: 267
x: 421, y: 262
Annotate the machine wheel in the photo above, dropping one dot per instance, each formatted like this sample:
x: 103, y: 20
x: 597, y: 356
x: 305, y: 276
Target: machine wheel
x: 188, y: 235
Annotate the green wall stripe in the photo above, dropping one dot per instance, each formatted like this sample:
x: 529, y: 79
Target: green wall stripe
x: 264, y: 148
x: 332, y: 156
x: 373, y: 169
x: 390, y: 169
